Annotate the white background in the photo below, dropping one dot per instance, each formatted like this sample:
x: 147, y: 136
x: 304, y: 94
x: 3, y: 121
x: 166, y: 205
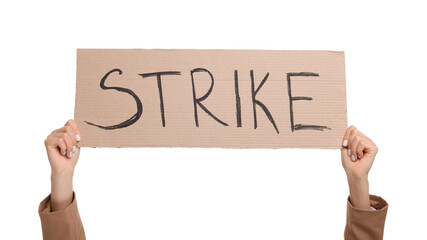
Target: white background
x: 214, y: 193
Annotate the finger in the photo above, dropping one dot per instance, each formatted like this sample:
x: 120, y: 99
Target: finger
x: 72, y: 134
x: 360, y: 149
x: 370, y: 147
x: 67, y: 130
x: 59, y: 131
x: 55, y: 142
x: 346, y: 136
x: 361, y: 134
x: 76, y: 154
x: 352, y: 132
x: 368, y: 144
x: 73, y: 124
x: 344, y: 155
x: 354, y: 143
x: 66, y: 137
x: 61, y: 145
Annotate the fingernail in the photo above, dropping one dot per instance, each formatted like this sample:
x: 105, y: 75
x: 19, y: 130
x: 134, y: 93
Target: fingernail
x: 353, y: 157
x: 78, y: 138
x: 358, y: 156
x: 349, y: 152
x: 63, y: 154
x: 344, y: 143
x: 70, y: 154
x: 74, y: 148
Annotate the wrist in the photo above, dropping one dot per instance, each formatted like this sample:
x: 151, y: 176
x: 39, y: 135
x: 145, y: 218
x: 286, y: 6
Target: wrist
x: 61, y: 168
x: 61, y: 189
x: 62, y: 175
x: 357, y: 178
x: 359, y: 192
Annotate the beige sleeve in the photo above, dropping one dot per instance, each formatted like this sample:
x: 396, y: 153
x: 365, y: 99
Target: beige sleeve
x: 65, y: 224
x: 366, y: 224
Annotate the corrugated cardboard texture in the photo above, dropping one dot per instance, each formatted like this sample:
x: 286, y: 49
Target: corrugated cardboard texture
x: 108, y: 116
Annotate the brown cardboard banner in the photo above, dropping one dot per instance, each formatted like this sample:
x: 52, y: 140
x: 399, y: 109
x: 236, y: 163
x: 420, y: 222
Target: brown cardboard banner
x: 211, y: 98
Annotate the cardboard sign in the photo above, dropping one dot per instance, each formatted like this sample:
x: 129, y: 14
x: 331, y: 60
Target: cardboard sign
x: 211, y: 98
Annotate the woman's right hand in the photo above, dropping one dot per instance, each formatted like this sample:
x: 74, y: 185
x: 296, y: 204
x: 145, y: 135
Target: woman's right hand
x: 357, y: 156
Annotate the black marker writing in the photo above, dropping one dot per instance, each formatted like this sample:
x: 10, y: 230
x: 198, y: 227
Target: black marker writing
x: 238, y: 107
x: 259, y: 103
x: 198, y: 101
x: 159, y: 85
x: 131, y: 120
x: 294, y: 126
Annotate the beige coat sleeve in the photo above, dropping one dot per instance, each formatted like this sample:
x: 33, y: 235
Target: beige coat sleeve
x: 64, y: 224
x: 366, y: 224
x: 67, y: 225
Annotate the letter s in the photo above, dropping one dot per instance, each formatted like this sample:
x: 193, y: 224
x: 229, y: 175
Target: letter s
x: 131, y: 120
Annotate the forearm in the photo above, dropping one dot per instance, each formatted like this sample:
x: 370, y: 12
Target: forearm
x: 61, y: 190
x: 359, y: 192
x: 58, y: 212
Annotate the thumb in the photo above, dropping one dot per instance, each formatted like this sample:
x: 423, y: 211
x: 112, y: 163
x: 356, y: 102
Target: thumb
x: 76, y: 154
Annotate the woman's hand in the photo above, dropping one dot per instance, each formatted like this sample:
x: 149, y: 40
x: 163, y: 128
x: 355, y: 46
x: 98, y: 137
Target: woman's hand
x: 63, y: 153
x: 357, y: 156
